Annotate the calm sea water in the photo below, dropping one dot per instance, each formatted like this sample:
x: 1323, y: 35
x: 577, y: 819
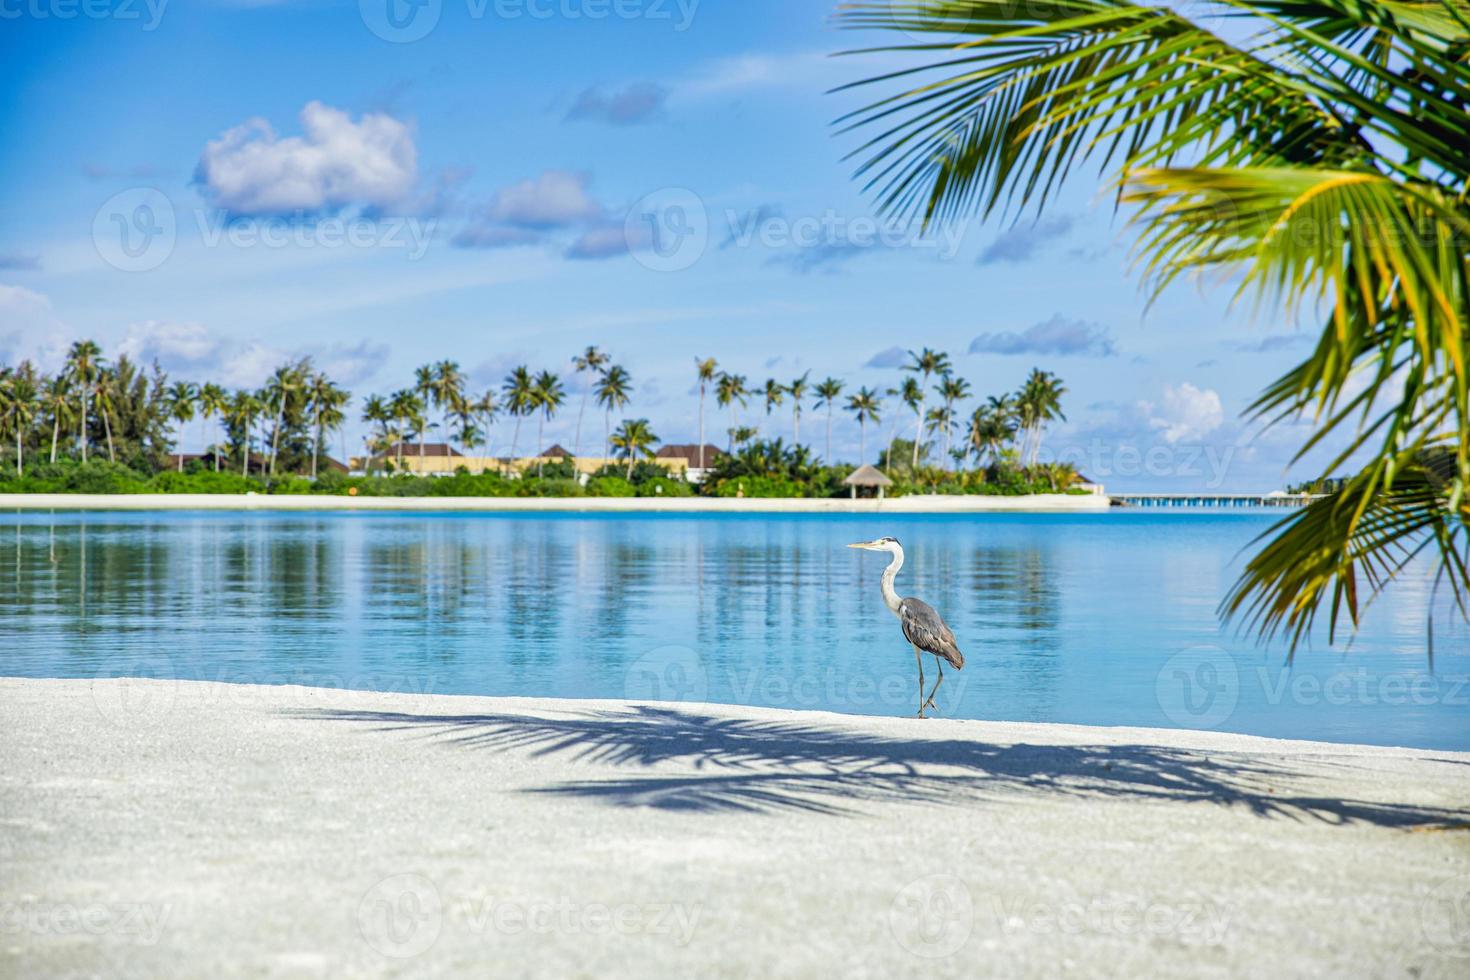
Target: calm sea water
x: 1100, y: 619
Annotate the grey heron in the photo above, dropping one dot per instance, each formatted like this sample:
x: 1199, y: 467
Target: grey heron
x: 921, y: 625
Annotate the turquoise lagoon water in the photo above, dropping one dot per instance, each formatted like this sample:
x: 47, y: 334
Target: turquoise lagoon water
x: 1089, y: 619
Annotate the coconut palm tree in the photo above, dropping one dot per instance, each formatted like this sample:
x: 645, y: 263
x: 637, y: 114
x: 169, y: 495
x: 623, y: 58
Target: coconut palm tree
x: 590, y: 361
x: 180, y: 401
x: 729, y: 390
x: 423, y: 387
x: 104, y: 399
x: 1037, y: 403
x: 83, y: 362
x: 403, y: 405
x: 549, y: 397
x: 828, y: 391
x: 925, y: 363
x: 634, y: 439
x: 520, y: 401
x: 705, y: 369
x: 774, y: 393
x: 951, y: 389
x: 324, y: 402
x: 56, y: 400
x: 285, y: 385
x: 446, y: 389
x: 614, y: 391
x: 991, y: 428
x: 912, y: 394
x: 797, y: 390
x: 243, y: 409
x: 866, y: 407
x: 485, y: 409
x: 1314, y: 155
x: 377, y: 411
x: 212, y: 403
x: 18, y: 407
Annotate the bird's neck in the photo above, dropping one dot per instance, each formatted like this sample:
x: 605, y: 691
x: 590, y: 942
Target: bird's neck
x: 890, y: 595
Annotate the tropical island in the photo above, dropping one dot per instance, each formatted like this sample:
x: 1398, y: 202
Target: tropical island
x: 107, y: 426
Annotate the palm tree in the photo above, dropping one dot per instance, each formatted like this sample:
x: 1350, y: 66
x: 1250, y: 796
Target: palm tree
x: 423, y: 387
x: 705, y: 368
x: 486, y: 408
x: 991, y: 428
x: 633, y: 439
x: 180, y: 400
x: 927, y: 362
x: 1038, y: 402
x: 212, y: 403
x: 377, y: 411
x: 446, y: 389
x: 911, y: 393
x: 549, y: 397
x: 403, y: 405
x: 325, y: 402
x: 613, y: 393
x: 284, y: 384
x: 952, y: 390
x: 244, y: 407
x: 590, y: 361
x: 865, y: 406
x: 797, y: 390
x: 729, y: 390
x: 56, y: 400
x: 774, y: 393
x: 104, y: 392
x: 828, y: 391
x: 18, y: 407
x: 83, y: 362
x: 1315, y: 153
x: 520, y: 401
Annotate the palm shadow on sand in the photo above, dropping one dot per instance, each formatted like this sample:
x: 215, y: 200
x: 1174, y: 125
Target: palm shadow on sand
x: 775, y: 766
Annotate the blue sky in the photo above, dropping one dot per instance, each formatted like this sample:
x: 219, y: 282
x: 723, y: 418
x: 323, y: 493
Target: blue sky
x: 305, y: 177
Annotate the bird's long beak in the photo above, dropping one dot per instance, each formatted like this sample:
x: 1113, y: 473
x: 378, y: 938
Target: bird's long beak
x: 865, y: 545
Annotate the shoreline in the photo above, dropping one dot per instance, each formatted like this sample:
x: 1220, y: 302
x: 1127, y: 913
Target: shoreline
x: 256, y: 830
x: 914, y: 504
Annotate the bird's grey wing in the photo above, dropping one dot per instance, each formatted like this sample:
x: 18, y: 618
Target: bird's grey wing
x: 924, y: 629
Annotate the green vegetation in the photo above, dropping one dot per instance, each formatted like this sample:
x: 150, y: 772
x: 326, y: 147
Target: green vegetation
x: 1312, y: 152
x: 274, y: 440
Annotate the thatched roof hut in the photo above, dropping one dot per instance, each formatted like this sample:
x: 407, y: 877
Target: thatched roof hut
x: 869, y: 476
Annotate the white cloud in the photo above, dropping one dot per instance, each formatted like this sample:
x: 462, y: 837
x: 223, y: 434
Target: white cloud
x: 336, y: 163
x: 1186, y: 413
x: 173, y: 343
x: 555, y: 199
x: 30, y: 329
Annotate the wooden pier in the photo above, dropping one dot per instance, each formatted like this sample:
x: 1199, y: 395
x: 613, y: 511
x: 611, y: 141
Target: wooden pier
x: 1215, y: 500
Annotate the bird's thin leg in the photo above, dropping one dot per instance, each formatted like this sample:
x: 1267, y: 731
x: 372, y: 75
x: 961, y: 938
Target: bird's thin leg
x: 930, y: 702
x: 919, y: 659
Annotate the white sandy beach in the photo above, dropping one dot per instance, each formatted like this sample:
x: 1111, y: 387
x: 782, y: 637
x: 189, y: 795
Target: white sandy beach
x: 917, y: 504
x: 157, y: 828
